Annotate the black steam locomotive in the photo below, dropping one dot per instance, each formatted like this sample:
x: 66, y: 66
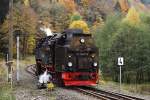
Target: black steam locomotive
x: 70, y: 57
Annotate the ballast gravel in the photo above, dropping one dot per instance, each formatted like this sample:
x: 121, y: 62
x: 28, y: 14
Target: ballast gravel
x: 27, y: 90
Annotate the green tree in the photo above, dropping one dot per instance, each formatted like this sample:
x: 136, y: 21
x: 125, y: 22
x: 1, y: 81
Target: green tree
x: 133, y: 43
x: 103, y: 38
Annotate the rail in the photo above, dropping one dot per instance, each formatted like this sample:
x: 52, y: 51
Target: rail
x: 105, y: 95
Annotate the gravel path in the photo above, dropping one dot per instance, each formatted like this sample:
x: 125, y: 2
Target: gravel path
x: 27, y: 90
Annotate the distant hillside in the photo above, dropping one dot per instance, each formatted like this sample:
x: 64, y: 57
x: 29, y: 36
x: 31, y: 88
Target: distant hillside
x: 142, y: 5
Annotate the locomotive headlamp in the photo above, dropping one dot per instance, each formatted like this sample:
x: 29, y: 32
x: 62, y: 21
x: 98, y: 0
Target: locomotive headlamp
x: 93, y: 55
x: 69, y: 56
x: 82, y: 40
x: 69, y: 64
x: 95, y: 64
x: 64, y: 36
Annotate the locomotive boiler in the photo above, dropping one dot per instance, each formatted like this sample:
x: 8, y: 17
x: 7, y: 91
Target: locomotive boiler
x: 70, y: 57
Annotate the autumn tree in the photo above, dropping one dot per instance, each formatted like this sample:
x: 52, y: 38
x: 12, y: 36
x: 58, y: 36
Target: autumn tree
x: 25, y: 20
x: 69, y: 5
x: 133, y: 17
x: 41, y: 7
x: 4, y: 6
x: 26, y: 2
x: 56, y: 13
x: 91, y: 9
x: 59, y: 17
x: 85, y: 3
x: 80, y: 24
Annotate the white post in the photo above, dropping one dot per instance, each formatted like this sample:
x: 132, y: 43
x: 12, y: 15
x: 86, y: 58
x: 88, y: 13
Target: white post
x: 120, y: 63
x: 120, y: 80
x: 17, y: 58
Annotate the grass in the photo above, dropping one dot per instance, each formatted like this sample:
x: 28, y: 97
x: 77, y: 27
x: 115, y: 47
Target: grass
x: 2, y: 71
x: 5, y: 92
x: 138, y: 88
x: 134, y: 88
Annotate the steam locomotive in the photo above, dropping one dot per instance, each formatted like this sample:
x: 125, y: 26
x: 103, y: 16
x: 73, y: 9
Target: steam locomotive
x: 70, y: 57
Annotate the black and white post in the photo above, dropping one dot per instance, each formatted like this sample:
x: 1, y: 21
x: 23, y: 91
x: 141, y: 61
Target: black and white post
x: 120, y: 63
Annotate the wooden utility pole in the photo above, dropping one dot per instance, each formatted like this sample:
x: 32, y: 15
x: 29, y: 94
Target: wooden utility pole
x: 10, y: 52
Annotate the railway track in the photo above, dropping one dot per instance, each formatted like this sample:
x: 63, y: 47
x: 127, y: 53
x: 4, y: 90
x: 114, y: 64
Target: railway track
x: 31, y: 70
x: 100, y: 94
x: 105, y: 95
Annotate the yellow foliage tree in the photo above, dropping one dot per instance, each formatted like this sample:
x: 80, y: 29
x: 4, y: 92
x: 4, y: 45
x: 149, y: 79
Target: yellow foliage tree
x: 31, y: 44
x: 79, y: 24
x: 132, y: 17
x: 85, y: 3
x: 69, y: 5
x: 26, y: 2
x: 25, y: 20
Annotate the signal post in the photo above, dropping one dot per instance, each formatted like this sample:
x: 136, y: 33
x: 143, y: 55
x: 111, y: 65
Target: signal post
x: 120, y: 64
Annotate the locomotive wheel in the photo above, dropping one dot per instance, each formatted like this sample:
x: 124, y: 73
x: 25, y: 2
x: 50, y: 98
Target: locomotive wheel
x: 59, y: 80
